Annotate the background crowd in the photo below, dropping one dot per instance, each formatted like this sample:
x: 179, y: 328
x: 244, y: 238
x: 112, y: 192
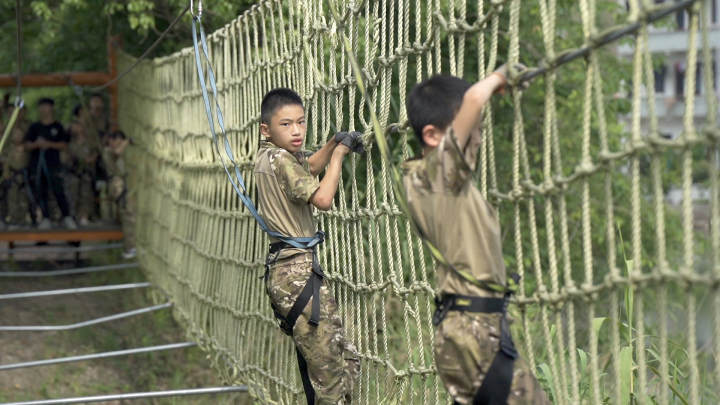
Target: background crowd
x: 68, y: 176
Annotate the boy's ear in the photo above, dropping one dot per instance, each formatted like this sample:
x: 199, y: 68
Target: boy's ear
x: 265, y: 130
x: 432, y: 136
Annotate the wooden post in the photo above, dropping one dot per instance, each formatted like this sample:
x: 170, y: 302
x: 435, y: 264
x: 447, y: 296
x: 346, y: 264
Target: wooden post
x: 56, y: 79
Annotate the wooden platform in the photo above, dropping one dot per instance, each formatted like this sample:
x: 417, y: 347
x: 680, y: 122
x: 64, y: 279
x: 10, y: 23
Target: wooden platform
x: 73, y: 238
x: 62, y: 235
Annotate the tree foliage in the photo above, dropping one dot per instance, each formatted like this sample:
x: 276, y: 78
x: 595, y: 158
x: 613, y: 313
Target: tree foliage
x: 71, y: 35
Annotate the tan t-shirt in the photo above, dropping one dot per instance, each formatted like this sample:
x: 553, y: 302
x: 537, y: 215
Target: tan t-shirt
x: 285, y: 186
x: 454, y: 216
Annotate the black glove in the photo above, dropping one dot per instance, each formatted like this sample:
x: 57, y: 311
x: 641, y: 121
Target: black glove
x: 341, y: 135
x: 352, y: 140
x: 517, y: 69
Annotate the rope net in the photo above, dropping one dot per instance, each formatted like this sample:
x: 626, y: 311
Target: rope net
x: 619, y: 299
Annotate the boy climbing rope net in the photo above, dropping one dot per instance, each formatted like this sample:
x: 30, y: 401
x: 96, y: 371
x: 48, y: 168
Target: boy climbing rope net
x: 288, y: 189
x: 474, y: 352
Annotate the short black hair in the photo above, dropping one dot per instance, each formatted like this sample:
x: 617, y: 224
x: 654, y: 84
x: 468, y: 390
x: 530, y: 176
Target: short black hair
x: 96, y: 95
x: 76, y: 110
x: 435, y: 101
x: 117, y: 134
x: 275, y: 99
x: 46, y: 100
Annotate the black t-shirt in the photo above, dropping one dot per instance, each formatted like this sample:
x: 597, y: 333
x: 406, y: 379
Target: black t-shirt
x: 51, y: 133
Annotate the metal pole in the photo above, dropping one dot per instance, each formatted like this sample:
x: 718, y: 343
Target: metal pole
x: 135, y: 395
x: 80, y: 290
x: 104, y: 355
x: 79, y: 270
x: 85, y: 323
x: 62, y: 249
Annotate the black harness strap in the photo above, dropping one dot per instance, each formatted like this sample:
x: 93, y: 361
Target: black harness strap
x: 305, y: 377
x: 287, y: 323
x: 495, y: 388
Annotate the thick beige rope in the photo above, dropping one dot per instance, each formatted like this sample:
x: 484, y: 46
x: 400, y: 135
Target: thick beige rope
x: 553, y: 179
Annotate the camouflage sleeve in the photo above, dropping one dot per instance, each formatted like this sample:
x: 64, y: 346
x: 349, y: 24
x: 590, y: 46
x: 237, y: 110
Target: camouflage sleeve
x: 449, y: 168
x: 294, y: 178
x: 109, y: 161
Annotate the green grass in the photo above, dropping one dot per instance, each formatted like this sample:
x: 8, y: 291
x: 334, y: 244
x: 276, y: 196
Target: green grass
x: 175, y: 369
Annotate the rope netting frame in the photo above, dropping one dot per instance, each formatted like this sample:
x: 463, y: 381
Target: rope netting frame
x: 597, y: 317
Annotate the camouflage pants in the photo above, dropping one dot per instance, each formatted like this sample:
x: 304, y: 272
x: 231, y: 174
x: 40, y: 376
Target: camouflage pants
x: 81, y: 195
x: 127, y: 212
x: 465, y: 346
x: 125, y: 203
x: 332, y: 361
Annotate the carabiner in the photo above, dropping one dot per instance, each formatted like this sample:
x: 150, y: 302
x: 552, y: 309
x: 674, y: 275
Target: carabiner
x: 192, y: 7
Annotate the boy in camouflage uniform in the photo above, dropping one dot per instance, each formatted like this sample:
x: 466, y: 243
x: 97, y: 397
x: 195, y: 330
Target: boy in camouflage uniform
x: 15, y: 176
x: 471, y: 328
x: 113, y: 157
x: 83, y: 156
x: 287, y: 191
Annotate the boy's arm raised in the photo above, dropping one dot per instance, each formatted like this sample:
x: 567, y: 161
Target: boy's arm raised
x: 473, y: 104
x: 320, y: 159
x: 323, y: 196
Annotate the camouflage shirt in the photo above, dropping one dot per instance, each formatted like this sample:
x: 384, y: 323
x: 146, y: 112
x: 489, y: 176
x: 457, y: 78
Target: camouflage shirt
x: 440, y: 183
x: 80, y: 151
x: 285, y: 185
x: 14, y: 154
x: 114, y: 164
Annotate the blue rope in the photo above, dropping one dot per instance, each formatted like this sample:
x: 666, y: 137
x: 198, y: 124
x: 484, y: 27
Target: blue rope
x: 238, y: 183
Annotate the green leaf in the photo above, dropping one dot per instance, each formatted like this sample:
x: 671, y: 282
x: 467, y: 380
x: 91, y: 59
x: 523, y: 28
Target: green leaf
x: 598, y: 323
x: 583, y: 358
x: 548, y: 376
x: 626, y: 374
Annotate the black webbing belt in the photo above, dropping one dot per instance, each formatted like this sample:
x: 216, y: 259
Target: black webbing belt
x: 287, y: 323
x: 495, y: 388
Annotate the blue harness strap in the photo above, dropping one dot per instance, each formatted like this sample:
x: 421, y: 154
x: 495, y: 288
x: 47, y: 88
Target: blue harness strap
x: 237, y: 182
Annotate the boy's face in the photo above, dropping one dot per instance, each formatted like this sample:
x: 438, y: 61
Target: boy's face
x: 287, y: 127
x: 45, y: 111
x: 97, y: 106
x: 114, y: 142
x: 18, y: 137
x: 77, y: 130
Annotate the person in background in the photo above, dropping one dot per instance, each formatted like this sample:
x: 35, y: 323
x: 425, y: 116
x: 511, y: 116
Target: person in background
x: 83, y: 155
x: 114, y: 159
x: 97, y: 127
x: 45, y: 139
x: 15, y: 177
x: 98, y: 118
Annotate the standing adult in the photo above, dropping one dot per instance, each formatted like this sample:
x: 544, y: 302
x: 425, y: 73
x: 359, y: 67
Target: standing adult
x: 45, y: 139
x: 98, y: 118
x: 98, y: 131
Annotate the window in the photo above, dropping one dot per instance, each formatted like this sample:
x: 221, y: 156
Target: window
x: 660, y: 72
x: 698, y: 78
x: 680, y: 19
x: 679, y: 79
x: 714, y: 11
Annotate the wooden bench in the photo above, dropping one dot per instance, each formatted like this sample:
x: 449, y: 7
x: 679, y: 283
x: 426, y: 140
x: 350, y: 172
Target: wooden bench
x: 73, y: 237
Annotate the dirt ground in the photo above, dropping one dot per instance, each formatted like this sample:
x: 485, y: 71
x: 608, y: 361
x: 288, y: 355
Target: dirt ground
x: 175, y: 369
